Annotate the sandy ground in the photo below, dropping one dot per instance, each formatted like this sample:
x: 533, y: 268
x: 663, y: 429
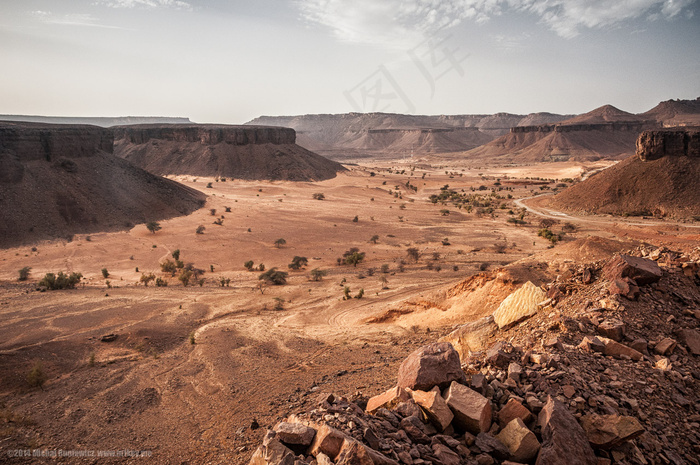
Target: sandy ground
x: 251, y: 363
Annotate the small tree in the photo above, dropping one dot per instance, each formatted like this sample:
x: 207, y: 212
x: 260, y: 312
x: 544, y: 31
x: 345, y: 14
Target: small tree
x: 346, y: 293
x: 385, y: 282
x: 360, y: 294
x: 185, y: 277
x: 160, y: 282
x: 147, y: 278
x: 168, y: 267
x: 60, y: 281
x: 280, y: 242
x: 248, y: 265
x: 413, y: 253
x: 212, y: 211
x: 353, y: 256
x: 153, y: 226
x: 356, y: 219
x: 105, y: 273
x: 318, y: 274
x: 298, y: 263
x: 374, y: 239
x: 444, y: 212
x: 275, y: 277
x: 176, y: 254
x: 385, y: 268
x: 200, y: 229
x: 24, y: 273
x: 319, y: 196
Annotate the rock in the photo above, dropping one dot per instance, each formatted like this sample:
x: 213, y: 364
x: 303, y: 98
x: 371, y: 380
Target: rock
x: 294, y: 433
x: 625, y: 287
x: 655, y: 144
x: 273, y: 452
x: 327, y: 440
x: 370, y: 438
x: 446, y: 455
x: 415, y: 430
x: 490, y: 445
x: 609, y: 431
x: 388, y: 399
x: 663, y: 364
x: 568, y: 391
x: 109, y: 337
x: 691, y: 338
x: 640, y: 345
x: 641, y: 270
x: 618, y: 350
x: 612, y: 329
x: 323, y: 459
x: 592, y: 344
x: 435, y: 407
x: 472, y: 411
x: 520, y: 441
x: 512, y: 410
x: 479, y: 383
x: 564, y: 442
x: 665, y: 346
x: 519, y: 305
x: 498, y: 356
x: 514, y: 371
x: 436, y: 364
x: 472, y: 336
x: 408, y: 408
x: 353, y: 453
x: 690, y: 269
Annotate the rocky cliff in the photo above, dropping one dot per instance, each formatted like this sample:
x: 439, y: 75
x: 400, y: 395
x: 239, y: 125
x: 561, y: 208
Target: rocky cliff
x: 56, y: 181
x: 652, y: 145
x: 239, y: 152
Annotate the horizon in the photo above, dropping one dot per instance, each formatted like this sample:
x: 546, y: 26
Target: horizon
x: 216, y: 62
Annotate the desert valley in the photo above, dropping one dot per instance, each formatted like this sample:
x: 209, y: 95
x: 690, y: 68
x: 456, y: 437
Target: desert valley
x: 359, y: 288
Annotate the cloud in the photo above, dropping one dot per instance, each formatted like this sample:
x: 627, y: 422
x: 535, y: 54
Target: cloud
x: 398, y: 23
x: 71, y: 19
x: 175, y: 4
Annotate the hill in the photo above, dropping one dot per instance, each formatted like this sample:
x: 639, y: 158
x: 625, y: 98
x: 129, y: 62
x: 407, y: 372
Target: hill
x: 239, y: 152
x: 676, y: 113
x: 59, y: 180
x: 665, y: 183
x: 102, y: 121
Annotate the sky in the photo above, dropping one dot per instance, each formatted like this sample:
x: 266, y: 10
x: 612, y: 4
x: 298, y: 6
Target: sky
x: 229, y: 61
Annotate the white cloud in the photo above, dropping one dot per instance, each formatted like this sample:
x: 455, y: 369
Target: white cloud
x: 71, y: 19
x: 399, y: 23
x: 176, y: 4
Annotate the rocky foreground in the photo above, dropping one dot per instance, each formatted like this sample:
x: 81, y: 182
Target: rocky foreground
x: 605, y: 370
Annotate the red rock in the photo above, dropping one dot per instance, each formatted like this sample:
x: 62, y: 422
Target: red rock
x: 446, y: 455
x: 387, y: 399
x: 618, y: 350
x: 353, y: 453
x: 520, y: 441
x: 294, y: 433
x: 624, y: 287
x: 435, y: 407
x: 563, y: 440
x: 512, y: 410
x: 568, y: 391
x: 665, y: 346
x: 609, y: 431
x: 472, y: 411
x: 592, y: 344
x: 642, y: 270
x: 327, y: 440
x: 612, y: 329
x: 272, y: 452
x: 691, y: 338
x: 434, y: 365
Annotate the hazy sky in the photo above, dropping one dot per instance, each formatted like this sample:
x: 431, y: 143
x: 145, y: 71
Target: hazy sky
x: 230, y: 61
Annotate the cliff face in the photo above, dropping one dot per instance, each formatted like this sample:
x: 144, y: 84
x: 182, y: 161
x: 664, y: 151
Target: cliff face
x: 56, y: 181
x: 634, y: 126
x: 652, y: 145
x: 239, y: 152
x: 206, y: 134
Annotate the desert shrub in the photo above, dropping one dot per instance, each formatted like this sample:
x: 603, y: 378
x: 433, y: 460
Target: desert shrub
x: 105, y: 273
x: 275, y: 277
x: 549, y: 235
x: 353, y: 256
x: 261, y: 267
x: 179, y: 264
x: 219, y: 222
x: 279, y: 304
x: 455, y: 268
x: 176, y: 254
x: 374, y: 239
x: 168, y: 266
x: 153, y: 226
x: 515, y: 221
x: 147, y: 278
x: 413, y: 253
x: 60, y: 281
x: 36, y: 376
x: 160, y: 282
x: 200, y: 229
x: 385, y: 282
x: 201, y: 282
x: 248, y: 265
x: 356, y: 219
x: 228, y: 209
x: 212, y: 211
x: 385, y: 268
x: 224, y: 282
x: 499, y: 248
x: 192, y: 338
x: 370, y: 271
x: 209, y: 185
x: 569, y: 227
x: 430, y: 266
x: 546, y: 223
x: 185, y: 277
x: 319, y: 196
x: 438, y: 268
x: 360, y: 294
x: 346, y: 293
x: 446, y: 241
x: 483, y: 267
x: 298, y: 263
x: 24, y: 273
x: 318, y: 274
x: 280, y: 242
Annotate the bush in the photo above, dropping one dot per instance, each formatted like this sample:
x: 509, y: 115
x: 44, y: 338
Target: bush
x: 353, y: 256
x: 212, y: 211
x: 444, y: 212
x: 413, y: 253
x: 209, y: 185
x: 153, y: 226
x: 176, y: 254
x: 225, y: 282
x: 228, y: 209
x: 356, y: 219
x: 169, y: 267
x: 200, y: 229
x: 319, y: 196
x: 374, y: 239
x: 298, y: 263
x: 272, y: 276
x: 385, y: 268
x: 105, y: 273
x: 60, y: 281
x: 549, y: 235
x: 318, y: 274
x: 192, y: 339
x: 147, y: 278
x: 248, y: 265
x: 185, y: 277
x: 37, y: 377
x: 160, y: 282
x: 360, y: 294
x: 24, y: 273
x: 280, y: 242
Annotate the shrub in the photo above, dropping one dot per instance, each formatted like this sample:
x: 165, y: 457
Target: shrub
x: 209, y: 185
x: 370, y: 271
x: 105, y: 273
x: 24, y: 273
x: 200, y: 229
x: 225, y: 282
x: 444, y: 212
x: 413, y: 253
x: 569, y: 227
x: 185, y: 277
x: 374, y: 239
x: 249, y: 265
x: 160, y: 282
x: 298, y: 263
x: 153, y: 226
x: 279, y: 303
x: 356, y: 219
x: 318, y: 274
x: 192, y: 339
x: 353, y: 256
x: 176, y: 254
x: 37, y: 377
x: 546, y: 223
x: 273, y: 276
x: 549, y: 235
x: 219, y: 222
x: 147, y: 278
x: 346, y: 293
x: 280, y: 242
x: 446, y: 241
x: 169, y: 267
x: 515, y: 221
x: 212, y: 211
x: 385, y: 268
x: 60, y: 281
x: 228, y: 209
x: 360, y: 294
x: 319, y: 196
x: 261, y: 267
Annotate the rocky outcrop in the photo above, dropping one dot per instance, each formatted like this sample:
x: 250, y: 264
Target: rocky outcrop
x: 652, y: 145
x: 239, y: 152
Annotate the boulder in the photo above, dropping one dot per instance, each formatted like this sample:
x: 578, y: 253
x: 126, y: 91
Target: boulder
x: 610, y: 431
x: 642, y: 270
x: 592, y: 344
x: 564, y: 442
x: 353, y: 453
x: 512, y: 410
x: 618, y: 350
x: 472, y: 411
x: 665, y: 346
x: 498, y: 355
x: 472, y: 336
x: 519, y: 305
x: 625, y: 287
x: 294, y: 433
x: 691, y: 338
x: 446, y: 455
x: 272, y: 452
x: 492, y: 446
x: 387, y: 399
x: 520, y: 441
x: 435, y: 407
x: 436, y: 364
x: 612, y: 329
x: 327, y: 440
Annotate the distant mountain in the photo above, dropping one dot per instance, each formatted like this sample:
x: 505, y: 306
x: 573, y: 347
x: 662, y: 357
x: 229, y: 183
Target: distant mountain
x: 357, y: 135
x: 104, y: 122
x: 602, y: 115
x: 676, y: 113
